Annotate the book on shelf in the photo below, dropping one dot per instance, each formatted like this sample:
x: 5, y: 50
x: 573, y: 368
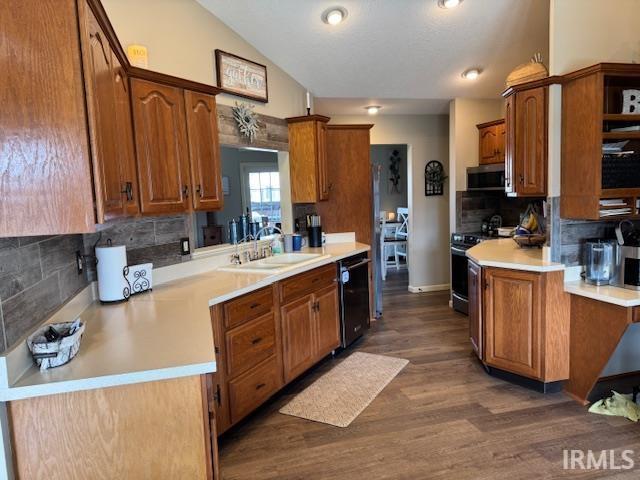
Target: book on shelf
x: 631, y: 128
x: 614, y: 212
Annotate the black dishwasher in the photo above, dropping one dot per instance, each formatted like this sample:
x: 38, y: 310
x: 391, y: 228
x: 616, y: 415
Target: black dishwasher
x: 353, y: 279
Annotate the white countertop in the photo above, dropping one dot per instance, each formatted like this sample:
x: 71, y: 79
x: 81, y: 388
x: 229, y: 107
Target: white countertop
x: 157, y: 335
x: 606, y: 293
x: 505, y: 253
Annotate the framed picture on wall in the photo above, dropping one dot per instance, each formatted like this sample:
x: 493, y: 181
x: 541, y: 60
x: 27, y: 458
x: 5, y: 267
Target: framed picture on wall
x: 241, y: 77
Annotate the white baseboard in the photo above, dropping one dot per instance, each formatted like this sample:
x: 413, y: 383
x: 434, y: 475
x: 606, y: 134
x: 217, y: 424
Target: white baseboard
x: 429, y: 288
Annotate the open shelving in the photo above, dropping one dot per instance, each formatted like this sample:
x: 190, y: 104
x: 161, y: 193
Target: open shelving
x: 591, y: 109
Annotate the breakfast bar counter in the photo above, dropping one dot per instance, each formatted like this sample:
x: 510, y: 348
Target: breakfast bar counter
x: 505, y: 253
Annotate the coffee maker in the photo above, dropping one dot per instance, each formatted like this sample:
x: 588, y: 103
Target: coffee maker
x: 627, y: 259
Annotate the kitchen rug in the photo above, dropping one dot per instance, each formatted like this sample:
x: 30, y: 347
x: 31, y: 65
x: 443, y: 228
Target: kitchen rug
x: 342, y: 393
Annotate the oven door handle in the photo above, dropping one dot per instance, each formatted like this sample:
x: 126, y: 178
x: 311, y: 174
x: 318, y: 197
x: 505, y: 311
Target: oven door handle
x: 359, y: 264
x: 459, y: 297
x: 461, y: 251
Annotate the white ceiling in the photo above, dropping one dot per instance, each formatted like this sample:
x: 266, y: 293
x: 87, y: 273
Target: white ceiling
x: 390, y: 106
x: 393, y: 49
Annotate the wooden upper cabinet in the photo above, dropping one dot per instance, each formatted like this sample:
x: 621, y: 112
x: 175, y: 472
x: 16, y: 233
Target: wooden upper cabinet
x: 161, y: 147
x: 526, y: 142
x: 44, y: 160
x: 531, y: 142
x: 110, y: 128
x: 509, y: 150
x: 491, y: 147
x: 204, y: 151
x: 308, y: 159
x: 513, y: 323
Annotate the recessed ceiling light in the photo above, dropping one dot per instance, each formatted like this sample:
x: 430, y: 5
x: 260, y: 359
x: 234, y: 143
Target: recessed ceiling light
x: 373, y: 109
x: 449, y: 3
x: 471, y: 74
x: 334, y: 15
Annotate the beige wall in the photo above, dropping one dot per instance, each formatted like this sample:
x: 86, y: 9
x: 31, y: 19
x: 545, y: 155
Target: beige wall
x: 427, y: 139
x: 464, y: 115
x: 584, y: 32
x: 181, y: 35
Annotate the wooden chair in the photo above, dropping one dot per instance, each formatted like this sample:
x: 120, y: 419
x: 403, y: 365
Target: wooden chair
x: 392, y: 245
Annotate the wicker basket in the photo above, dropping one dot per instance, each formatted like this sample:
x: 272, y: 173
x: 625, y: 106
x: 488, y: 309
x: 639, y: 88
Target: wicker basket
x: 529, y: 241
x: 53, y: 353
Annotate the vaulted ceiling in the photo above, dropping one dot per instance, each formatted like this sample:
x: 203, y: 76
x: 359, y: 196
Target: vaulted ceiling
x: 393, y: 49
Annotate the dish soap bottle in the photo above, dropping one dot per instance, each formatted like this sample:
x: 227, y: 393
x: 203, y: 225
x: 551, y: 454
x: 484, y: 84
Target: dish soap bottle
x: 276, y: 245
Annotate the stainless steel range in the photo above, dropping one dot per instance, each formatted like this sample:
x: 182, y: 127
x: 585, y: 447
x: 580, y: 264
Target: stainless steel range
x: 460, y: 243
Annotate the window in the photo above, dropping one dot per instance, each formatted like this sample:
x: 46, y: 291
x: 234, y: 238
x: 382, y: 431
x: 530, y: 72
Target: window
x: 261, y: 192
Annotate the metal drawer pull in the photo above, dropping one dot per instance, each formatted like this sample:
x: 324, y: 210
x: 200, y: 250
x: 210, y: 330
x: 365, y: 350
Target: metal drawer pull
x: 254, y: 305
x: 255, y: 341
x: 260, y: 385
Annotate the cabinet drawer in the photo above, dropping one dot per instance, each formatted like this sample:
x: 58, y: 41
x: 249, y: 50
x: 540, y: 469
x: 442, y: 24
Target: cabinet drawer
x: 251, y: 343
x: 307, y: 282
x: 252, y: 389
x: 248, y: 307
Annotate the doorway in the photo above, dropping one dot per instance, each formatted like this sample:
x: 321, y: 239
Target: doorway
x: 391, y: 218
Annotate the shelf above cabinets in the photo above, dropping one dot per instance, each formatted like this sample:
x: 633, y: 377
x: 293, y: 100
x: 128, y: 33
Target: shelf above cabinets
x: 591, y: 106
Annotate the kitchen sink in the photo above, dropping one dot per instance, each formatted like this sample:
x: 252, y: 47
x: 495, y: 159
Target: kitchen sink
x: 289, y: 258
x: 275, y: 264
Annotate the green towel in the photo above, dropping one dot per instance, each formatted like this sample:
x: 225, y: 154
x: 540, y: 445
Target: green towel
x: 617, y: 405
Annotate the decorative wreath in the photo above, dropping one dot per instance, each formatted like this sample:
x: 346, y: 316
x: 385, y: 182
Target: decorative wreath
x: 247, y: 120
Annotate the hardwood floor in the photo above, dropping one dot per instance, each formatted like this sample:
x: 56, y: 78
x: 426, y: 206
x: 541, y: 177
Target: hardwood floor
x: 442, y: 417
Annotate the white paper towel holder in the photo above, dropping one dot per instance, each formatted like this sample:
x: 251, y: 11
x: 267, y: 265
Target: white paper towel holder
x: 126, y: 286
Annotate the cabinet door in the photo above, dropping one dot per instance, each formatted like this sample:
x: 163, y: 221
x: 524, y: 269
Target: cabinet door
x: 327, y: 320
x: 101, y: 107
x: 488, y: 143
x: 500, y: 142
x: 509, y: 146
x: 531, y: 142
x: 513, y: 321
x: 324, y: 185
x: 297, y: 336
x: 475, y: 307
x: 161, y: 145
x: 124, y: 129
x: 204, y: 151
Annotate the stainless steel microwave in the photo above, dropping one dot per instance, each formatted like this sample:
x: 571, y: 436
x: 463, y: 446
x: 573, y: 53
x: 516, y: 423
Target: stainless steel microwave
x: 486, y: 177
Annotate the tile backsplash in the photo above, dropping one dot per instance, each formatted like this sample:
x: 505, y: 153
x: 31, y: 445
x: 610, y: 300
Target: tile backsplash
x: 472, y: 207
x: 39, y: 274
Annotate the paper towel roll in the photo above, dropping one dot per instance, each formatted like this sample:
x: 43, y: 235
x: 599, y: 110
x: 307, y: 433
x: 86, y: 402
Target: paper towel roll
x: 112, y: 284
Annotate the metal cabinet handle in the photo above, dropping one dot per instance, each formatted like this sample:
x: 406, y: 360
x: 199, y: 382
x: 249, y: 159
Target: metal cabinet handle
x: 254, y: 305
x: 521, y: 178
x: 256, y: 341
x: 199, y: 190
x: 128, y: 190
x: 260, y: 385
x: 185, y: 190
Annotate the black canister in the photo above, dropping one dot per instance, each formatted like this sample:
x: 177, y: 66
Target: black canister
x: 254, y: 228
x: 315, y: 236
x: 243, y: 227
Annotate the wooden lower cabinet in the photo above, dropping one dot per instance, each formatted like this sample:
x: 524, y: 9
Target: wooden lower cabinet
x: 267, y: 338
x: 513, y: 321
x: 327, y: 321
x: 298, y: 336
x: 475, y: 308
x: 159, y: 430
x: 519, y: 321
